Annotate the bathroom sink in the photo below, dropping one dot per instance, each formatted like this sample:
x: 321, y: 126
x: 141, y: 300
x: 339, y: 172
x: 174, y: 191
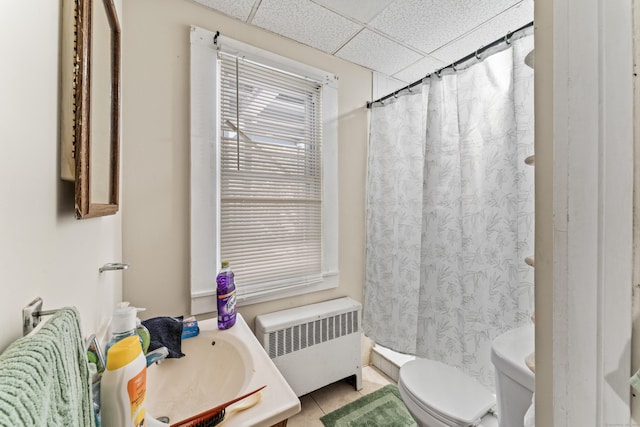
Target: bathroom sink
x: 219, y: 366
x: 215, y: 369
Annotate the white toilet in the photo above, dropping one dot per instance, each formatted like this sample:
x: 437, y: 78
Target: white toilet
x: 439, y: 395
x: 515, y: 382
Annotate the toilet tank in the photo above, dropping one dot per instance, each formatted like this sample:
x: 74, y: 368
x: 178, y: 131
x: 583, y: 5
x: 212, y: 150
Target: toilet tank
x: 514, y: 380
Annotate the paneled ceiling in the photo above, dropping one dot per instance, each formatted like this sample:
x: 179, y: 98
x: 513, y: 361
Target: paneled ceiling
x: 402, y: 39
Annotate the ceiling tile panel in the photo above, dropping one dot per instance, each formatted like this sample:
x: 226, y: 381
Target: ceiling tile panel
x: 376, y: 52
x: 427, y: 25
x: 498, y: 27
x: 306, y: 22
x: 237, y: 8
x: 420, y: 69
x: 360, y: 10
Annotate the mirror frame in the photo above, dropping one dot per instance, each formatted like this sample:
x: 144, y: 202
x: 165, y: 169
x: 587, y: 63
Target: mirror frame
x: 81, y: 117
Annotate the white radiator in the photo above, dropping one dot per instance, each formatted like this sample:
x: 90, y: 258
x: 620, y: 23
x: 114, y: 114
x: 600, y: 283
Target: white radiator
x: 314, y: 345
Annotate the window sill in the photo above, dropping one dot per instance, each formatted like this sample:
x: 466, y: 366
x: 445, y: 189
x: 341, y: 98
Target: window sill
x: 205, y: 302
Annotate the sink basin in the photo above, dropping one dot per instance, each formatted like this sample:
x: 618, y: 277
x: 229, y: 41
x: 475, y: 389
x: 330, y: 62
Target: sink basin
x: 218, y: 366
x: 215, y: 369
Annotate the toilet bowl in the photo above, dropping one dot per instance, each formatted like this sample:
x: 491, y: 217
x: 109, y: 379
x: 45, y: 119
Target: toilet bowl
x: 439, y: 395
x: 514, y: 380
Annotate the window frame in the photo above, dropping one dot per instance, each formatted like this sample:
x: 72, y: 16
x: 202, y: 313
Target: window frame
x: 205, y: 168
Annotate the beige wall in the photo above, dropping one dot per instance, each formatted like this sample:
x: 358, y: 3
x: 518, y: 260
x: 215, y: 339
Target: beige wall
x: 156, y: 153
x: 44, y: 250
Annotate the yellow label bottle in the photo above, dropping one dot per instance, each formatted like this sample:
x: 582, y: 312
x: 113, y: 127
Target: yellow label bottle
x: 124, y: 385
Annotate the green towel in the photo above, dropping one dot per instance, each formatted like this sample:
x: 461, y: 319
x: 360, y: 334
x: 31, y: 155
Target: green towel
x: 44, y: 377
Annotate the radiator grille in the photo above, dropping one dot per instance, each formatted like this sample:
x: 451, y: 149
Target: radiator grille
x: 298, y: 337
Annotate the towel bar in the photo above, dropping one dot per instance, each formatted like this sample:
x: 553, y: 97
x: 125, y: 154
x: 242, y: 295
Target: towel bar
x: 31, y: 315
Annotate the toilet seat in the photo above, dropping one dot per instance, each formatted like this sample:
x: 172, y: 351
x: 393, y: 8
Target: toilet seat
x: 445, y: 393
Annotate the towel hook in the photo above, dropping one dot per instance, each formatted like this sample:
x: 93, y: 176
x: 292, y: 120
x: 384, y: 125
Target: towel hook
x: 113, y: 266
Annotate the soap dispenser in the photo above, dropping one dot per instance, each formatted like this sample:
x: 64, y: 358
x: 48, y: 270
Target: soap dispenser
x: 125, y: 323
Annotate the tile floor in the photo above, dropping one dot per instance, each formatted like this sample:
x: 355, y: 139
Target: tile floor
x: 329, y: 398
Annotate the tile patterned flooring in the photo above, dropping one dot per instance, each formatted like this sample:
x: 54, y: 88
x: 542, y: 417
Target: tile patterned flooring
x: 329, y: 398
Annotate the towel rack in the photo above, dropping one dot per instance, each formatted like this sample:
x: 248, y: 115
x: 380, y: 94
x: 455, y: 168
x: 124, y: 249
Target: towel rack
x: 31, y: 315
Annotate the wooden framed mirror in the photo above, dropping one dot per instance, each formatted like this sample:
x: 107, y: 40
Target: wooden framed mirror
x: 90, y: 102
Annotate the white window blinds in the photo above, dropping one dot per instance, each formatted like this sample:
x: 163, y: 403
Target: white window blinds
x: 271, y: 175
x: 278, y: 147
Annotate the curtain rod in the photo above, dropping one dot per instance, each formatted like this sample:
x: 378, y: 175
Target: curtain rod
x: 505, y: 39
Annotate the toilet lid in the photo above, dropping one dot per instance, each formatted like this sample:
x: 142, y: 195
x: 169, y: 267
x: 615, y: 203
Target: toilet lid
x: 446, y: 391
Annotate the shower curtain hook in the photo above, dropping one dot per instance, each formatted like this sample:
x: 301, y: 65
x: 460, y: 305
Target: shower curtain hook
x: 454, y: 67
x: 507, y: 38
x: 409, y: 89
x: 439, y: 73
x: 477, y: 56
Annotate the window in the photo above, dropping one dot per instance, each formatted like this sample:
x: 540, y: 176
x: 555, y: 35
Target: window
x: 263, y: 172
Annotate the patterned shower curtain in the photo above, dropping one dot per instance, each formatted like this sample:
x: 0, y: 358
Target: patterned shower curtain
x: 450, y: 214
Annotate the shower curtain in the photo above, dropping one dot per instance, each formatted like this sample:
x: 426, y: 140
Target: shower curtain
x: 450, y: 213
